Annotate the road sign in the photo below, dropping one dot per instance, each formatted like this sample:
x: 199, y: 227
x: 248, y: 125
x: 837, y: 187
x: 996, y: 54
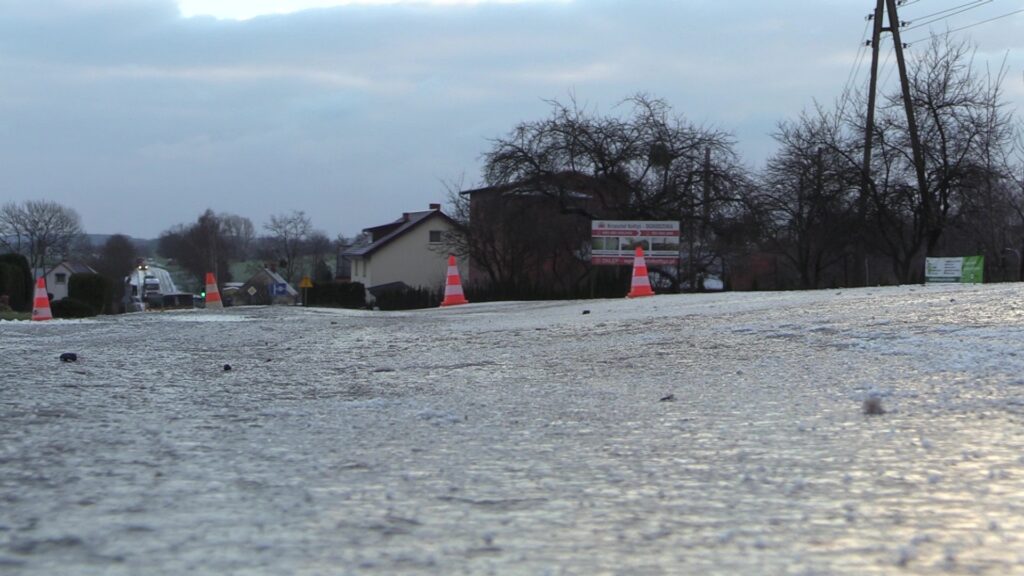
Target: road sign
x: 306, y: 282
x: 252, y: 290
x: 280, y: 289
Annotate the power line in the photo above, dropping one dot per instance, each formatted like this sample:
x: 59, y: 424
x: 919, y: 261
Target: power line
x: 958, y: 10
x: 1007, y: 15
x: 851, y: 78
x: 888, y: 74
x: 968, y: 3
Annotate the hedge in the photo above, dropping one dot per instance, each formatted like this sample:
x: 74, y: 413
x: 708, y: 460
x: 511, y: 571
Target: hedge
x: 16, y: 281
x: 337, y: 294
x: 71, y: 308
x: 95, y: 290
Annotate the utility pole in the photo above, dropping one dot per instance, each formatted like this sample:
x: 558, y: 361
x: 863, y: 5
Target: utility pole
x: 881, y: 7
x: 908, y: 107
x: 869, y: 134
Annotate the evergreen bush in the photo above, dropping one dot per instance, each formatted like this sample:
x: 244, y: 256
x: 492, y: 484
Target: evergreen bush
x: 337, y: 294
x: 71, y: 308
x: 95, y: 290
x: 16, y: 281
x: 407, y: 299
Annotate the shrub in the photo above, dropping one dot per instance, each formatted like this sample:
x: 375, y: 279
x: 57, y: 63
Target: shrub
x: 95, y: 290
x: 16, y: 281
x: 407, y: 299
x: 337, y: 294
x: 71, y: 308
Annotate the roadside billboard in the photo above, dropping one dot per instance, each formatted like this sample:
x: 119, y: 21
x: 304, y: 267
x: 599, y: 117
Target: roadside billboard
x: 614, y: 242
x: 965, y: 270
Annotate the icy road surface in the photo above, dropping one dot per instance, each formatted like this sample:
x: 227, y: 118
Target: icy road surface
x: 523, y: 438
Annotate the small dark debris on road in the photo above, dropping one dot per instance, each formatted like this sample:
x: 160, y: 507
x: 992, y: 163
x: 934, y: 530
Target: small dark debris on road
x: 873, y: 406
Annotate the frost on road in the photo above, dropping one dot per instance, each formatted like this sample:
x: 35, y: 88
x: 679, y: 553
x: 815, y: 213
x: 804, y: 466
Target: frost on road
x: 523, y: 438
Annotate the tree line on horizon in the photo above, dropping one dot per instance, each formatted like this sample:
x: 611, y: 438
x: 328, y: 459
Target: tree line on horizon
x: 42, y: 233
x: 811, y: 210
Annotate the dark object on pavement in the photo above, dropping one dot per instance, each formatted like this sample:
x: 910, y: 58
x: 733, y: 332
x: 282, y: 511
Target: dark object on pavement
x: 586, y: 311
x: 669, y: 398
x: 227, y: 367
x: 69, y: 357
x: 873, y: 406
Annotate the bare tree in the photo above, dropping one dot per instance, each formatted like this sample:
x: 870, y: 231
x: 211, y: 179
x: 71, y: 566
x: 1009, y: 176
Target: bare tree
x: 200, y: 247
x: 39, y: 229
x: 646, y: 164
x: 808, y: 198
x: 288, y: 233
x: 239, y: 233
x: 318, y: 246
x: 963, y: 125
x: 115, y: 261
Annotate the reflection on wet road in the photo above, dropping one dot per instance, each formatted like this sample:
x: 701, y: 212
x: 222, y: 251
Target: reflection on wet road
x: 523, y: 438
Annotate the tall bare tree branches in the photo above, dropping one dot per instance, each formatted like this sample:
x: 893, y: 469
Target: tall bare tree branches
x: 40, y: 229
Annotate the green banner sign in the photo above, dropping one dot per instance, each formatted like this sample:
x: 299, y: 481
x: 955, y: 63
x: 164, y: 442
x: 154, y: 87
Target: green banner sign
x: 963, y: 270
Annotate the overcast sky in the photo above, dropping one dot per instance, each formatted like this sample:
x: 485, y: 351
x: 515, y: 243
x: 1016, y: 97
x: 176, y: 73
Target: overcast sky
x: 140, y: 114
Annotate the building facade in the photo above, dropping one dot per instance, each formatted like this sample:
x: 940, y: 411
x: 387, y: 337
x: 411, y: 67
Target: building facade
x: 57, y: 278
x: 410, y: 252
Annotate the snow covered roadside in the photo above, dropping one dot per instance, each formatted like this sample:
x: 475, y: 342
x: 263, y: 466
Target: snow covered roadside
x: 524, y: 438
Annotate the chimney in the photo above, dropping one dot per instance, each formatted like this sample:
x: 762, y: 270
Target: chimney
x: 405, y: 216
x: 435, y: 206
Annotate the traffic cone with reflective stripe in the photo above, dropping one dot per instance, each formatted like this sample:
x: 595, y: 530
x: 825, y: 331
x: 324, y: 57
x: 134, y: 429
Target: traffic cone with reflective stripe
x: 212, y: 294
x: 641, y: 285
x: 453, y: 295
x: 41, y: 302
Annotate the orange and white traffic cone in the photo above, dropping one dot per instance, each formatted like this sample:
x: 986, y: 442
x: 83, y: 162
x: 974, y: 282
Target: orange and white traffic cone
x: 212, y: 294
x: 641, y: 284
x: 453, y: 295
x: 41, y: 302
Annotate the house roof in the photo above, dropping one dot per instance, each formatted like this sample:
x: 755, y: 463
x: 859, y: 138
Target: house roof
x: 387, y: 233
x: 74, y: 267
x: 273, y: 277
x: 576, y: 184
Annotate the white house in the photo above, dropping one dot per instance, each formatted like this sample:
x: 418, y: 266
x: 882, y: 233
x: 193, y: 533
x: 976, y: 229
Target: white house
x: 409, y: 251
x: 57, y: 277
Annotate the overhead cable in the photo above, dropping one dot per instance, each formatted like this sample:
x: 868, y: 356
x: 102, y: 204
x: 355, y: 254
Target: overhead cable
x: 935, y: 17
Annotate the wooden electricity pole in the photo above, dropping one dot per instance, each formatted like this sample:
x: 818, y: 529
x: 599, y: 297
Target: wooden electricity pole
x: 869, y: 134
x: 908, y: 107
x: 881, y: 7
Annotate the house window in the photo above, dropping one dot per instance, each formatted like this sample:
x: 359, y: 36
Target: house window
x: 61, y: 278
x: 435, y: 236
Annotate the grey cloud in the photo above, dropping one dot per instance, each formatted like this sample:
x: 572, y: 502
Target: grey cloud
x: 357, y: 114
